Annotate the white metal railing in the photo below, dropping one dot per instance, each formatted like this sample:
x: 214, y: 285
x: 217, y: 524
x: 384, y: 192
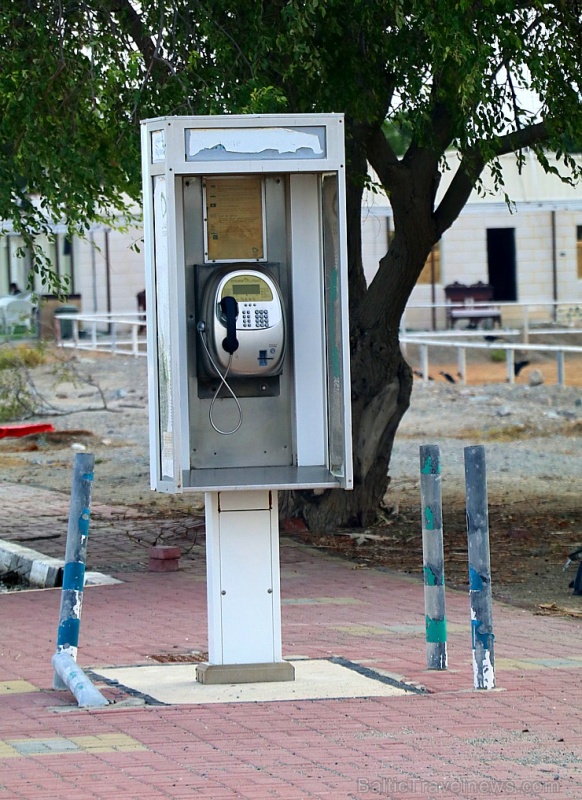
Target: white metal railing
x: 110, y: 342
x: 135, y: 344
x: 429, y: 340
x: 525, y: 309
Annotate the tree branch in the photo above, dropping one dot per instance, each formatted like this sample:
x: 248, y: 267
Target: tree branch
x: 381, y: 156
x: 472, y: 164
x: 517, y: 140
x: 132, y: 24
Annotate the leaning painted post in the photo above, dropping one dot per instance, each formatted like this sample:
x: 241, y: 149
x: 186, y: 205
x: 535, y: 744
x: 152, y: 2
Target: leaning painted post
x: 73, y: 677
x: 75, y: 557
x: 479, y: 568
x: 433, y: 557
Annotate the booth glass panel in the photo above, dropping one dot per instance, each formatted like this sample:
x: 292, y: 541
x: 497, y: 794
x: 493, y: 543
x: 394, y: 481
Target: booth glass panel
x: 163, y: 322
x: 331, y: 258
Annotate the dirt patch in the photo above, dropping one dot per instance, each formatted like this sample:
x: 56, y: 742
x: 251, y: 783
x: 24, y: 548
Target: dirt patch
x: 529, y: 548
x: 534, y: 467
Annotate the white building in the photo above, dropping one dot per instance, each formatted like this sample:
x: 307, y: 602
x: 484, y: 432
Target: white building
x: 105, y: 271
x: 529, y: 254
x: 109, y: 270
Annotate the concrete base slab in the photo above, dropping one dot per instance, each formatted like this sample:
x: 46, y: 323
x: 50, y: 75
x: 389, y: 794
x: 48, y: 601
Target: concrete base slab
x: 176, y: 684
x: 245, y: 673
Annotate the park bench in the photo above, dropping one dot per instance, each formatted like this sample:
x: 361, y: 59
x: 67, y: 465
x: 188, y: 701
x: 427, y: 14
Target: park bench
x: 472, y: 303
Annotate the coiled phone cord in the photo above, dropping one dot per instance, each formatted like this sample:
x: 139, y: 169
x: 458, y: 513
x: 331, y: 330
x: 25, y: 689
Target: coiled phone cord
x: 223, y: 381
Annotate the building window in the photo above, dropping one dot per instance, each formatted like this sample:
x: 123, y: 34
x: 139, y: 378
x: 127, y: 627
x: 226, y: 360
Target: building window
x: 579, y: 250
x: 431, y: 272
x: 4, y: 266
x: 17, y: 261
x: 58, y: 250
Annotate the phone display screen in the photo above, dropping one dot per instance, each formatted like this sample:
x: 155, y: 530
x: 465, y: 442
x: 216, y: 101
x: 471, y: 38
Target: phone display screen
x: 247, y: 289
x: 250, y: 288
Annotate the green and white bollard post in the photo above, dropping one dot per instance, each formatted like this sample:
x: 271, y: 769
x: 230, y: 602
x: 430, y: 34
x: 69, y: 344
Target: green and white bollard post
x: 433, y: 557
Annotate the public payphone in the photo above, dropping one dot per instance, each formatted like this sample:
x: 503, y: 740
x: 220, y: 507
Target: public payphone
x: 240, y: 322
x: 242, y: 325
x: 248, y: 347
x: 247, y: 302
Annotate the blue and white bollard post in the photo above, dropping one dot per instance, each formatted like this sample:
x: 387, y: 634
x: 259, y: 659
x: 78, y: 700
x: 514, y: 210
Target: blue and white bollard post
x: 433, y: 557
x: 479, y: 568
x: 75, y: 558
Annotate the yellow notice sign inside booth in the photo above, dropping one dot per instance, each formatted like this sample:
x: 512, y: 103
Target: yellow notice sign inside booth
x: 234, y: 218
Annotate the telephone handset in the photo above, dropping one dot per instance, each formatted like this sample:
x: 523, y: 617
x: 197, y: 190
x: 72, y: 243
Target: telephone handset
x: 246, y: 334
x: 229, y: 308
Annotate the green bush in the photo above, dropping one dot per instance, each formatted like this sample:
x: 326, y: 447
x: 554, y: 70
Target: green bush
x: 497, y: 356
x: 23, y: 355
x: 18, y: 398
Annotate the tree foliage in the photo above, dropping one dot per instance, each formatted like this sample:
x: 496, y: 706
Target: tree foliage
x: 76, y: 76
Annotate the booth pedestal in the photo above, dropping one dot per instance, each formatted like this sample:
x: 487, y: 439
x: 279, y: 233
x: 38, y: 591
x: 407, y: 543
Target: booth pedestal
x: 243, y: 586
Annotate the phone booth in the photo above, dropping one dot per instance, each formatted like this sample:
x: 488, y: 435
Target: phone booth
x: 248, y: 348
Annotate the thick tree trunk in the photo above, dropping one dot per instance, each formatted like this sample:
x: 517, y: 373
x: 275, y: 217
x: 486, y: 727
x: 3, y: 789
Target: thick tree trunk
x: 376, y: 416
x: 381, y: 379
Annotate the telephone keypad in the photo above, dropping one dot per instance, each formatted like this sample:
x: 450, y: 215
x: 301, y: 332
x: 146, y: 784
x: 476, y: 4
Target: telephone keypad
x: 261, y: 318
x: 255, y: 318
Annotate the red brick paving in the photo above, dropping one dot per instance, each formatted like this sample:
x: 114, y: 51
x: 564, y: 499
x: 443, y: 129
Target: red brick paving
x: 522, y: 740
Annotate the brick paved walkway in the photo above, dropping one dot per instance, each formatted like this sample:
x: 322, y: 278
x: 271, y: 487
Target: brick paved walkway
x: 522, y: 740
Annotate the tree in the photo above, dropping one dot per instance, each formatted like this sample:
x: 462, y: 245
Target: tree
x: 449, y: 73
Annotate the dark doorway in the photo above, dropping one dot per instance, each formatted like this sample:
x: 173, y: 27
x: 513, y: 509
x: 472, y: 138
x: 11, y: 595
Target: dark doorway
x: 501, y: 263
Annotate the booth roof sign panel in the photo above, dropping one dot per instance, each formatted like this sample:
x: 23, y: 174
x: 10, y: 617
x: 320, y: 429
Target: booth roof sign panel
x: 207, y: 144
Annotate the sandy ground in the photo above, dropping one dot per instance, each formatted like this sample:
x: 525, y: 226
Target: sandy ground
x: 532, y: 437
